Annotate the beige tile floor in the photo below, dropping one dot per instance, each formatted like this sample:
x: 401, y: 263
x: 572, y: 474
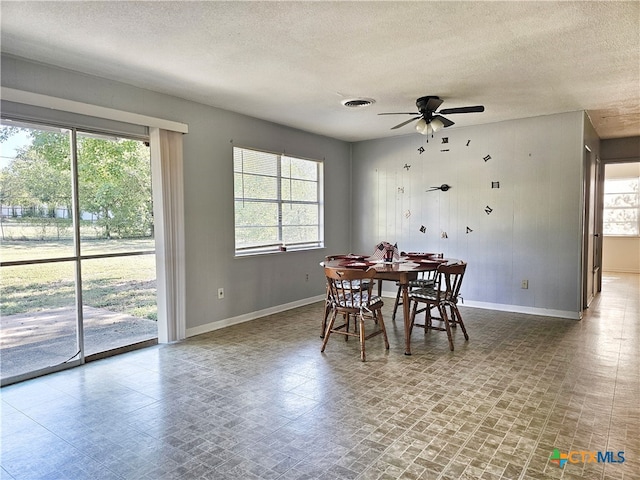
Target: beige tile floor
x: 259, y: 401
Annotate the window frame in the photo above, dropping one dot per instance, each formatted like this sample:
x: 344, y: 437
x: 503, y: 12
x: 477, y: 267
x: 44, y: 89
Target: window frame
x: 636, y: 208
x: 280, y: 245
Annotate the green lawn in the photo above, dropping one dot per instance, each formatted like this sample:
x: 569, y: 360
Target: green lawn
x: 120, y: 284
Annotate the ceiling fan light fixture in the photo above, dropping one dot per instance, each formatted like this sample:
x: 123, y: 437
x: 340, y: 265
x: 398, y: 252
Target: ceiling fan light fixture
x: 430, y: 118
x: 436, y: 124
x: 422, y: 127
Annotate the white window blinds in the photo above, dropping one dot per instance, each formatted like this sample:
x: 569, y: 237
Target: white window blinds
x: 277, y: 202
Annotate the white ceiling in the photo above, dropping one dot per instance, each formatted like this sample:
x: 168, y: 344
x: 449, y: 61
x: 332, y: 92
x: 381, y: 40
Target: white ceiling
x: 294, y: 62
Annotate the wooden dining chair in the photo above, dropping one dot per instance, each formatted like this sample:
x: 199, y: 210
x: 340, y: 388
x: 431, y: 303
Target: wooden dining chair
x: 442, y: 295
x: 327, y: 304
x: 350, y: 295
x: 425, y: 280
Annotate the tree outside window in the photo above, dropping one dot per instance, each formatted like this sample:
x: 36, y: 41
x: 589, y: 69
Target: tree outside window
x: 277, y: 202
x: 621, y: 214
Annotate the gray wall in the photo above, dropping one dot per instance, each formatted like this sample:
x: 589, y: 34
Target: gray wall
x: 615, y: 150
x: 534, y: 231
x: 251, y: 284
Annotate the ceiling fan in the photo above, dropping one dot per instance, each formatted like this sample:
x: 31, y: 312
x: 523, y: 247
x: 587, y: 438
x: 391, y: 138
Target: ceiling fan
x: 430, y: 120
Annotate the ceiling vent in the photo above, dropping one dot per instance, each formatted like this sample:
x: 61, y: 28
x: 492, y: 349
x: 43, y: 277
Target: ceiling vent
x: 358, y: 102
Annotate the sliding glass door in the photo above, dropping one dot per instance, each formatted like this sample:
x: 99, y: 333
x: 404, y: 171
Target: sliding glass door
x: 116, y: 244
x: 77, y: 262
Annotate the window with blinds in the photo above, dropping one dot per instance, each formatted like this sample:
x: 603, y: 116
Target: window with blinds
x: 277, y: 202
x: 621, y: 214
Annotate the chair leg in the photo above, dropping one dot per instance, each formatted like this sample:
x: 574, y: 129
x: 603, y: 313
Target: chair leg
x: 427, y: 317
x: 327, y: 312
x: 327, y: 333
x: 362, y: 338
x: 382, y: 327
x: 414, y: 310
x: 458, y: 317
x: 445, y: 319
x: 395, y: 305
x: 452, y: 316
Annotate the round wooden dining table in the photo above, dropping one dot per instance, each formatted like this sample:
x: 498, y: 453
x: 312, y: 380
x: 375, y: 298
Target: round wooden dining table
x: 401, y: 270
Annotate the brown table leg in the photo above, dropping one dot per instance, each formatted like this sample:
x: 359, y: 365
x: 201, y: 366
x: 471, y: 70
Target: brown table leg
x: 407, y: 318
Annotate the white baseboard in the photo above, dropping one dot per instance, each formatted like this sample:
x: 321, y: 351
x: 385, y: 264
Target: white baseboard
x: 210, y: 327
x: 546, y: 312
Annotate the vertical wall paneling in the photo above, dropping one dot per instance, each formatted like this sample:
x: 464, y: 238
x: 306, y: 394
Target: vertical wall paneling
x: 532, y: 231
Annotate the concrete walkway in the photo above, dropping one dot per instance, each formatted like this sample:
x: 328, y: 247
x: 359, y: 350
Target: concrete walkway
x: 38, y: 340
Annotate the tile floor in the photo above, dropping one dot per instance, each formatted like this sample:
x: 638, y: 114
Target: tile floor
x: 259, y: 401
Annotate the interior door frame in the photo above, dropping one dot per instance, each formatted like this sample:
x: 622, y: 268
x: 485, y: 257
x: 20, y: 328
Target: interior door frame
x: 591, y: 237
x: 599, y: 213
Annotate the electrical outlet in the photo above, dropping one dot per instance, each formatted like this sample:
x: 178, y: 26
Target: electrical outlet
x: 306, y: 277
x: 220, y: 293
x: 525, y: 284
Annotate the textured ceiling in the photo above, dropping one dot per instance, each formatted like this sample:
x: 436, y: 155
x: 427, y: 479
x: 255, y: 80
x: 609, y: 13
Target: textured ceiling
x: 294, y: 62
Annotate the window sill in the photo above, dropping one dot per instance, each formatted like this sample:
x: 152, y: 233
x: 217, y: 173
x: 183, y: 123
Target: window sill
x: 271, y: 251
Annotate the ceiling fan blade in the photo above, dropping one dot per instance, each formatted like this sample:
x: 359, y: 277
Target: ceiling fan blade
x: 399, y: 113
x: 473, y: 109
x: 404, y: 123
x: 445, y: 121
x: 433, y: 103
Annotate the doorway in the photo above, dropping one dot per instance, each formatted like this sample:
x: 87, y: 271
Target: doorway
x: 77, y: 265
x: 621, y: 218
x: 591, y: 251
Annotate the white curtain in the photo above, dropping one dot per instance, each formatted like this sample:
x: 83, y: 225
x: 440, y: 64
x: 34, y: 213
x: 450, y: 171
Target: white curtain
x: 168, y: 212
